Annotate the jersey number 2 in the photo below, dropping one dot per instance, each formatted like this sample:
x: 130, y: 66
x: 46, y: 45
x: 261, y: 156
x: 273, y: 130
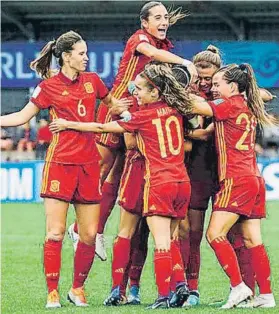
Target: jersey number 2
x: 162, y: 130
x: 249, y: 127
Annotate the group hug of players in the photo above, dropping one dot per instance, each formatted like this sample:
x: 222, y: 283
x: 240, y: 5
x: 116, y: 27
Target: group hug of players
x: 164, y: 105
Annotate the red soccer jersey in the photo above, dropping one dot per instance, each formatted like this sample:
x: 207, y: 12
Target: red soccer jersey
x: 159, y: 134
x: 75, y: 101
x: 132, y: 62
x: 235, y: 129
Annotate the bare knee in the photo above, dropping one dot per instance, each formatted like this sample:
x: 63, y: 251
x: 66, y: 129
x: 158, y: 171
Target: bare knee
x: 252, y: 241
x: 127, y: 232
x: 212, y: 234
x: 88, y: 236
x: 56, y: 233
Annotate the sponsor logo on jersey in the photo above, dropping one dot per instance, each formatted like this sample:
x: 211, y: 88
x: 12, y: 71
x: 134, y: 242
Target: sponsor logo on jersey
x: 234, y: 204
x: 65, y: 93
x: 218, y: 101
x: 36, y: 92
x: 88, y: 87
x: 152, y: 207
x: 54, y: 186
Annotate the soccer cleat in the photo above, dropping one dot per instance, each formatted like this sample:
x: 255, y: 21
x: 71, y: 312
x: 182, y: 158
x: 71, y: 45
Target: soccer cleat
x: 100, y: 248
x: 134, y: 296
x: 238, y: 294
x: 53, y: 300
x: 77, y: 297
x: 193, y: 299
x: 73, y: 236
x: 123, y: 300
x: 160, y: 303
x: 180, y: 296
x: 261, y: 301
x: 114, y: 298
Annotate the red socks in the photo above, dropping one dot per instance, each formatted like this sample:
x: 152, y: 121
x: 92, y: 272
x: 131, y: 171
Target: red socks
x: 261, y: 267
x: 121, y: 255
x: 109, y: 196
x: 163, y: 271
x: 247, y: 272
x: 227, y: 259
x: 178, y: 273
x: 52, y: 263
x: 83, y: 260
x: 193, y: 268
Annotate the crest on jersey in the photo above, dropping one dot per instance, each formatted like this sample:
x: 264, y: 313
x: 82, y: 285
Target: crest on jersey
x: 54, y: 186
x: 143, y: 37
x: 218, y: 101
x: 88, y: 87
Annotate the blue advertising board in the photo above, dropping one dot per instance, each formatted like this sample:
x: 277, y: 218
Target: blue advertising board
x: 104, y: 59
x: 21, y: 182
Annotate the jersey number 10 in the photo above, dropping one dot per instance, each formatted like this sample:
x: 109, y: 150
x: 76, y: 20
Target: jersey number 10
x: 164, y: 131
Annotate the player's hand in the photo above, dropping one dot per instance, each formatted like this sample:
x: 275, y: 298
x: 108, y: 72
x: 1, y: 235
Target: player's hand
x: 58, y: 125
x: 121, y: 105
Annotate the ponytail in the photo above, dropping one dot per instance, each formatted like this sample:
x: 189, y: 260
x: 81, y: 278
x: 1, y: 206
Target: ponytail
x: 42, y: 63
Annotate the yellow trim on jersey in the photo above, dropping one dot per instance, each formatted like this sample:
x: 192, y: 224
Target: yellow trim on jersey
x: 226, y: 194
x: 49, y: 155
x: 122, y: 189
x: 141, y: 147
x: 127, y: 77
x: 120, y: 90
x: 222, y: 149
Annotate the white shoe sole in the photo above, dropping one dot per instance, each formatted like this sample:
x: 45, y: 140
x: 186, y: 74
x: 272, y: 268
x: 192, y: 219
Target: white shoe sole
x: 71, y: 298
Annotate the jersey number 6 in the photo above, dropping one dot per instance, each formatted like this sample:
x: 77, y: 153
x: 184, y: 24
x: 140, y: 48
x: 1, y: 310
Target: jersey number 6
x: 81, y: 109
x: 166, y: 129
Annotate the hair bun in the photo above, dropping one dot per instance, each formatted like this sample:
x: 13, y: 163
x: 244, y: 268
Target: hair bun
x: 213, y: 49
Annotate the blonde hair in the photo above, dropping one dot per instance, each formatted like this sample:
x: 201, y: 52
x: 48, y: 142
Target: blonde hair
x: 208, y: 58
x: 160, y: 76
x: 243, y: 75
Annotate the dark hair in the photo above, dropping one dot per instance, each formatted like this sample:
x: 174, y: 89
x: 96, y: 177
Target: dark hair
x: 163, y: 77
x: 174, y: 15
x: 55, y: 48
x: 243, y: 75
x: 208, y: 58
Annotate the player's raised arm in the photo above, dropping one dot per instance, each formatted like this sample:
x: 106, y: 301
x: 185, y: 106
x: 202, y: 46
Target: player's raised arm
x: 58, y: 125
x: 20, y: 117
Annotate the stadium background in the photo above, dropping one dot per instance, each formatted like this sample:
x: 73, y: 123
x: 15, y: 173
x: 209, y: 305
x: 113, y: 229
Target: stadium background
x: 245, y: 31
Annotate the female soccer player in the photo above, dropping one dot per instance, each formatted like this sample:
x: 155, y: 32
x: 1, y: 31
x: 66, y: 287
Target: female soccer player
x: 71, y: 173
x: 159, y: 134
x: 242, y: 189
x: 148, y: 43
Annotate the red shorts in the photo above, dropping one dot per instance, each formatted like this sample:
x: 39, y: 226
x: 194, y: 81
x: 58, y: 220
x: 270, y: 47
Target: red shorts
x: 110, y: 140
x: 201, y: 194
x: 72, y: 183
x: 168, y: 199
x: 132, y: 183
x: 244, y: 196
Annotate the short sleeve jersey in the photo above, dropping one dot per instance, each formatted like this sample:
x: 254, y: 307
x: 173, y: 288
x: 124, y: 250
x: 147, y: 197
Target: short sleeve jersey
x: 133, y: 62
x: 235, y: 129
x: 74, y: 101
x: 159, y: 134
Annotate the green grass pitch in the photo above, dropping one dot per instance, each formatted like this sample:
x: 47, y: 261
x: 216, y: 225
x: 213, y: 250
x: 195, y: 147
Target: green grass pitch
x: 23, y: 285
